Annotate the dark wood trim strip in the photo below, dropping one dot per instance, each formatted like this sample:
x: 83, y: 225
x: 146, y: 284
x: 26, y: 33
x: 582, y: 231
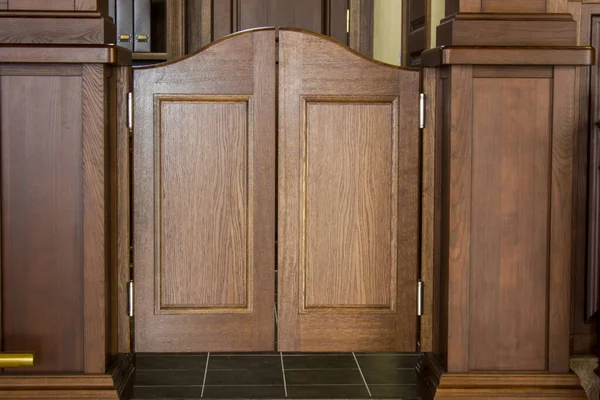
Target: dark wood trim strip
x: 499, y: 55
x: 561, y: 204
x: 123, y: 80
x: 430, y: 210
x: 94, y: 238
x: 175, y: 29
x: 64, y: 54
x: 459, y: 263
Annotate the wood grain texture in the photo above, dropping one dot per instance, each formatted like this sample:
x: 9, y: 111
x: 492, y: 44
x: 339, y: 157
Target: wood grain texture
x: 87, y: 30
x: 305, y: 14
x: 459, y: 216
x: 58, y: 387
x: 123, y: 210
x: 509, y: 224
x: 502, y: 29
x: 176, y: 29
x: 62, y: 5
x: 584, y: 288
x: 350, y: 257
x: 464, y: 6
x: 202, y: 204
x: 3, y: 4
x: 87, y: 5
x: 94, y: 235
x: 243, y: 66
x: 556, y: 6
x: 53, y: 54
x: 306, y: 73
x: 360, y: 37
x: 335, y: 20
x: 41, y: 220
x: 199, y: 24
x: 455, y: 55
x: 430, y: 212
x: 508, y: 6
x: 563, y: 115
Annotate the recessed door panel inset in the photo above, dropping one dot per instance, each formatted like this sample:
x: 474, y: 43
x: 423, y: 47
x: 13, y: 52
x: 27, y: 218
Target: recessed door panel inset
x: 348, y: 187
x: 202, y: 205
x: 204, y: 199
x: 350, y: 237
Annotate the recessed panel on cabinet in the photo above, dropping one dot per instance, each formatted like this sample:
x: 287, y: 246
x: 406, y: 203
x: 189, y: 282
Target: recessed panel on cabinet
x: 42, y: 225
x: 511, y: 171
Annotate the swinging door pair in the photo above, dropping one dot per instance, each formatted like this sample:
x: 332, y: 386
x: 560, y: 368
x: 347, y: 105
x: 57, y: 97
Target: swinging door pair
x: 258, y: 154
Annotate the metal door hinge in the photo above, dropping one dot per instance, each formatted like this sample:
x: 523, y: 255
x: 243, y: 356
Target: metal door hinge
x: 130, y: 299
x: 421, y: 110
x: 419, y: 298
x: 347, y: 20
x: 130, y: 110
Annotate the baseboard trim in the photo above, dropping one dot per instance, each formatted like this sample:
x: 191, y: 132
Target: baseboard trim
x: 58, y: 387
x: 111, y: 386
x: 497, y: 386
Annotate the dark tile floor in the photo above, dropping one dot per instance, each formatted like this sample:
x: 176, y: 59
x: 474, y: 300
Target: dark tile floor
x: 276, y: 376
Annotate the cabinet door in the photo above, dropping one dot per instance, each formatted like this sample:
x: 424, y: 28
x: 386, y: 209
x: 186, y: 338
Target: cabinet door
x: 204, y: 199
x: 327, y: 17
x: 348, y: 199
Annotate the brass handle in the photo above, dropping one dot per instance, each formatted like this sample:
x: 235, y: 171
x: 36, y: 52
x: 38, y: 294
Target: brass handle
x: 16, y: 360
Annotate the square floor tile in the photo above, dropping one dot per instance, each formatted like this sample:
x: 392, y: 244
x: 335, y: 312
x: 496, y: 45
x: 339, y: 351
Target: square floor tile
x: 319, y: 361
x: 254, y: 361
x: 390, y: 376
x: 254, y: 392
x: 387, y: 361
x: 405, y: 392
x: 328, y: 392
x: 173, y: 378
x: 323, y: 377
x: 170, y: 361
x: 244, y: 377
x: 169, y: 392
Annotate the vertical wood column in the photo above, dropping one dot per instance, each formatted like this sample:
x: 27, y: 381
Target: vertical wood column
x: 500, y: 224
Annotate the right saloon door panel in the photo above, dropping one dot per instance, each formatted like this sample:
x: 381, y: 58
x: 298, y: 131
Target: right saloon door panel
x: 348, y: 199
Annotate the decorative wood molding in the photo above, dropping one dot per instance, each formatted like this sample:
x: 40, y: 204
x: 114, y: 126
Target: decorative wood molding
x: 58, y: 387
x: 56, y: 27
x: 502, y: 55
x: 495, y: 29
x: 64, y: 54
x: 501, y: 386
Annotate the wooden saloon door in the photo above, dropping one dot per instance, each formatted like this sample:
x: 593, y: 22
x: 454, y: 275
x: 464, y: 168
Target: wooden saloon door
x: 204, y: 199
x: 348, y: 199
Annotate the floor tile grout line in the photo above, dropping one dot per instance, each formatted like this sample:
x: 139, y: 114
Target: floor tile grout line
x: 205, y: 373
x: 283, y: 373
x: 361, y: 374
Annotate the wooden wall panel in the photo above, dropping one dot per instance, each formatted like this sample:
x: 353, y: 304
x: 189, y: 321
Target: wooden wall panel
x: 509, y: 224
x: 62, y: 5
x: 454, y: 6
x: 350, y: 187
x: 3, y: 4
x: 305, y: 14
x: 209, y: 241
x: 42, y: 226
x: 521, y: 6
